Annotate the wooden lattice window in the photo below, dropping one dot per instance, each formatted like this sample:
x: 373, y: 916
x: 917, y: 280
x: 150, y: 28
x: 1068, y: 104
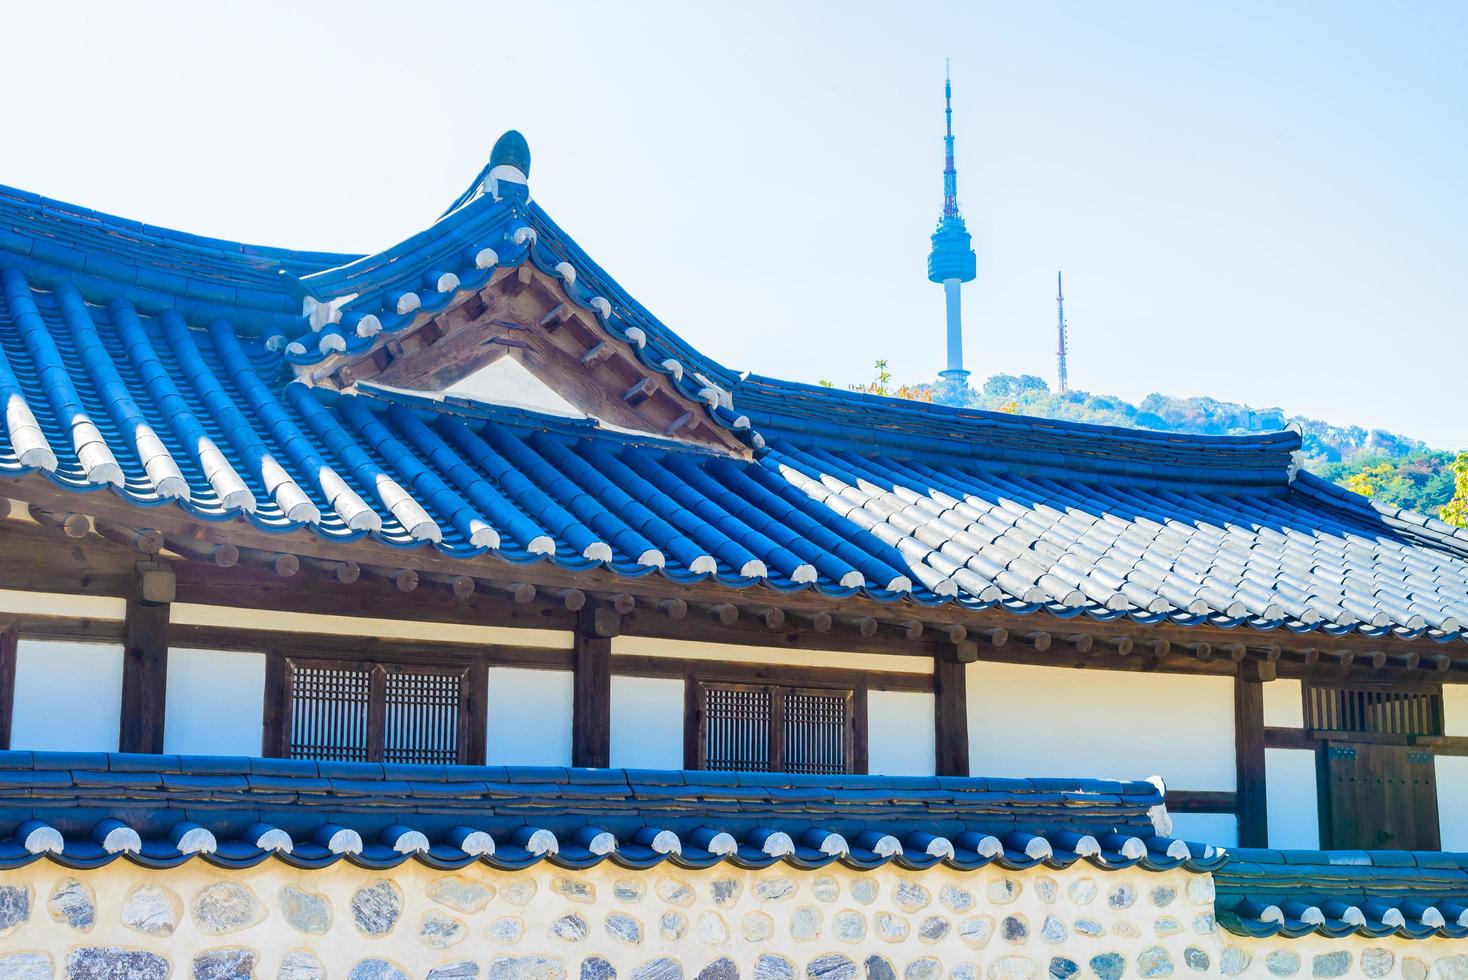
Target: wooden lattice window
x: 347, y: 711
x: 768, y: 728
x: 1374, y: 709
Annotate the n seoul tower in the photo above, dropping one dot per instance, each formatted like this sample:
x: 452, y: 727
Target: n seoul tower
x: 952, y: 262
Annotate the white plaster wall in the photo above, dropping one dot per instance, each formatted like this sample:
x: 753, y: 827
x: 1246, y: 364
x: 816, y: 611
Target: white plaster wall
x: 1455, y: 709
x: 1292, y: 809
x: 1452, y: 801
x: 900, y: 733
x: 1206, y: 828
x: 647, y: 722
x: 529, y: 717
x: 215, y: 702
x: 1056, y: 721
x: 1284, y: 706
x: 68, y: 696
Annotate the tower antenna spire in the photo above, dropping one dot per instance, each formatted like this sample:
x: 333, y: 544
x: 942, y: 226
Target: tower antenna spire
x: 951, y: 261
x: 1062, y: 349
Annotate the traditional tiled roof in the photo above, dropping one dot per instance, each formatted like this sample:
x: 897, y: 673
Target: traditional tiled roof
x: 1417, y: 895
x: 188, y: 372
x: 87, y: 809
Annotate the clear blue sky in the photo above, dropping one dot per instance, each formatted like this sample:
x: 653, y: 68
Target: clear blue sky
x: 1260, y: 202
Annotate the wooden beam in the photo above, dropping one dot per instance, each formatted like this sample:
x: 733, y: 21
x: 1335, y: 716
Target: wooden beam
x: 1249, y: 755
x: 145, y: 659
x: 591, y: 704
x: 950, y: 715
x: 1202, y: 801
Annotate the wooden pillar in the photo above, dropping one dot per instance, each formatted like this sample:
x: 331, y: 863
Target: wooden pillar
x: 9, y: 638
x: 591, y: 705
x: 1249, y: 754
x: 145, y: 658
x: 950, y: 715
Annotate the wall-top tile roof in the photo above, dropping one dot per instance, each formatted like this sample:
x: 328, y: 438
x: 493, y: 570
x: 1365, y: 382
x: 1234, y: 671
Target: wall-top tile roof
x: 87, y: 809
x: 178, y: 371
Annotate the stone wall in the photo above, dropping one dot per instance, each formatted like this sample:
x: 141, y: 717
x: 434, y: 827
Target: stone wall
x: 664, y: 924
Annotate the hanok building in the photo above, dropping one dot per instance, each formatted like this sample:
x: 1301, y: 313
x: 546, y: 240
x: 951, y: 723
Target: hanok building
x: 325, y: 657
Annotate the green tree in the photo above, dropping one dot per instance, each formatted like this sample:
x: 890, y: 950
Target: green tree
x: 1455, y: 511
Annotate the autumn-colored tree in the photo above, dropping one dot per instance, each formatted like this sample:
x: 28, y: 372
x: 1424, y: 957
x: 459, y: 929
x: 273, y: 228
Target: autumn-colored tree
x: 1367, y: 482
x: 1455, y: 511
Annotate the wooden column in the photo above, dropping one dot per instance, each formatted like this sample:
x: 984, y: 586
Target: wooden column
x: 145, y: 658
x: 1249, y: 750
x: 591, y: 706
x: 9, y: 637
x: 950, y: 717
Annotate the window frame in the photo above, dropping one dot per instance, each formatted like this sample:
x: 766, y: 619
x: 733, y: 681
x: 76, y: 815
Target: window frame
x: 695, y: 723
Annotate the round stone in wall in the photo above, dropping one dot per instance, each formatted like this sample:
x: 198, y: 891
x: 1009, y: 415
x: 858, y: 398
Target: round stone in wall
x: 225, y: 964
x: 300, y: 964
x: 926, y: 968
x: 376, y: 907
x: 1413, y: 968
x: 863, y: 890
x: 597, y: 968
x: 757, y: 927
x: 569, y: 928
x: 629, y: 890
x: 624, y: 928
x: 304, y: 911
x: 518, y: 892
x: 805, y: 924
x: 574, y: 890
x: 832, y: 966
x: 849, y: 925
x: 878, y: 968
x: 526, y: 968
x: 506, y: 929
x: 1282, y: 963
x: 1053, y: 931
x: 1163, y: 895
x: 1233, y: 961
x: 964, y: 971
x: 672, y: 925
x: 1108, y: 966
x: 910, y: 896
x: 1452, y: 967
x: 225, y: 907
x: 711, y: 928
x: 1200, y: 889
x: 73, y: 903
x: 976, y: 932
x: 26, y: 966
x: 774, y: 889
x: 722, y: 968
x: 1125, y: 929
x: 956, y: 899
x: 1204, y: 924
x: 1377, y: 962
x: 662, y: 968
x: 151, y: 909
x: 1154, y: 961
x: 439, y: 931
x: 1002, y: 892
x: 934, y: 929
x: 675, y: 892
x: 1013, y: 968
x: 1062, y: 968
x: 890, y: 928
x: 725, y: 891
x: 769, y: 967
x: 460, y: 894
x: 1122, y: 896
x: 1046, y: 889
x: 1196, y: 958
x: 377, y: 968
x: 110, y: 962
x: 1089, y: 927
x: 1014, y: 929
x: 459, y: 970
x: 1166, y: 925
x: 15, y: 906
x: 825, y: 889
x: 1082, y: 891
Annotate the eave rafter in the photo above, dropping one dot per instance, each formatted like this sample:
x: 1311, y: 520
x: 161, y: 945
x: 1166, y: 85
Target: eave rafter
x: 526, y: 314
x: 232, y: 563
